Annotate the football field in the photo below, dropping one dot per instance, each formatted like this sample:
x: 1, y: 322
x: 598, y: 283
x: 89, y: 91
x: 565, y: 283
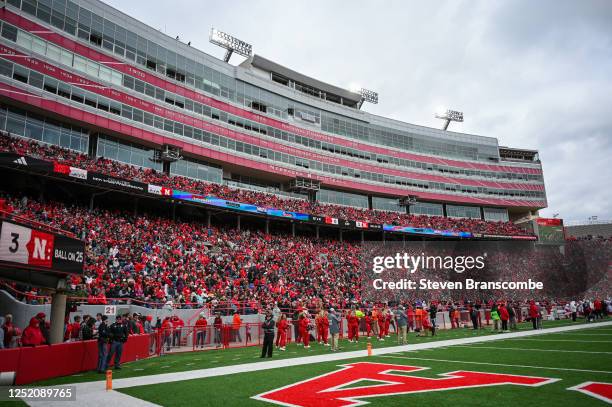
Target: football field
x: 559, y: 361
x: 459, y: 368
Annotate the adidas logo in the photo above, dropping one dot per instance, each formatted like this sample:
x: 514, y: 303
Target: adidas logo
x: 21, y: 161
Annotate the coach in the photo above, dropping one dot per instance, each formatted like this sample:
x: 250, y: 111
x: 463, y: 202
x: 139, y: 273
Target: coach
x: 119, y: 335
x: 268, y: 328
x: 103, y: 336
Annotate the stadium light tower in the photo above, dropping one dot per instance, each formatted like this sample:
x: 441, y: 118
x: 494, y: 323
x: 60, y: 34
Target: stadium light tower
x: 367, y: 96
x: 230, y: 43
x: 449, y: 116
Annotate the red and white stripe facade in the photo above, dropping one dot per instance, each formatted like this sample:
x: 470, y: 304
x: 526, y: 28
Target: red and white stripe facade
x: 262, y: 167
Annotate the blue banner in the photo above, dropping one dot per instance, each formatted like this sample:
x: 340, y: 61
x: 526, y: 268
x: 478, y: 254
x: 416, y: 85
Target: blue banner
x: 222, y: 203
x: 425, y: 231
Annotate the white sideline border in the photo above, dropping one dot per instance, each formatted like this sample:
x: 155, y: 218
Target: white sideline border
x: 94, y: 393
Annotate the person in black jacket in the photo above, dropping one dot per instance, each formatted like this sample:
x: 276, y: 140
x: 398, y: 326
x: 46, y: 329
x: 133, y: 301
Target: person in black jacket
x: 296, y: 325
x: 474, y: 317
x: 268, y: 328
x: 433, y: 313
x: 87, y: 330
x: 103, y: 337
x: 119, y: 335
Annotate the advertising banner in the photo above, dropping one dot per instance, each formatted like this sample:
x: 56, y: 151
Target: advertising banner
x: 426, y: 231
x: 112, y: 182
x: 17, y: 160
x: 69, y: 171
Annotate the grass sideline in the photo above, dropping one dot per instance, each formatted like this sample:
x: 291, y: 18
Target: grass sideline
x: 237, y: 389
x: 186, y: 361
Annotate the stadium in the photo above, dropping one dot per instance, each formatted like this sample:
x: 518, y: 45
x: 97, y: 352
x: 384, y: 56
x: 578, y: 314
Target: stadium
x: 170, y: 218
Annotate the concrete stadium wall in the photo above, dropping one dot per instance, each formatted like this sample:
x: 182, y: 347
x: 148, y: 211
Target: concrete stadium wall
x: 22, y: 313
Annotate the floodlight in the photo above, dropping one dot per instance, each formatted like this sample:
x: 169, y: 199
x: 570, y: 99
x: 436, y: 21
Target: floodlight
x: 230, y: 43
x: 449, y: 116
x: 368, y: 96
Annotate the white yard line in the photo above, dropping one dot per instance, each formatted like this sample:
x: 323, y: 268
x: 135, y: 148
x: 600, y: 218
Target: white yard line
x: 94, y: 393
x: 556, y: 340
x: 532, y: 349
x: 498, y: 364
x: 580, y: 334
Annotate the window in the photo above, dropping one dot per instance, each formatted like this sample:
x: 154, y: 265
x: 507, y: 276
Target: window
x: 9, y: 32
x: 20, y: 73
x: 496, y: 214
x: 116, y: 77
x: 63, y: 90
x: 105, y: 74
x: 66, y: 57
x: 386, y: 204
x: 36, y: 79
x: 342, y: 198
x: 93, y: 68
x: 6, y: 68
x: 24, y: 39
x: 456, y: 211
x: 53, y: 52
x: 129, y: 153
x: 78, y: 95
x: 424, y: 208
x: 39, y: 46
x: 50, y: 85
x: 80, y: 63
x: 197, y: 170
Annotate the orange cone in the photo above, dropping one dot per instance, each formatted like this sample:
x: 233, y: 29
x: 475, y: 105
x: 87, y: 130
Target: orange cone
x: 369, y: 349
x: 109, y: 380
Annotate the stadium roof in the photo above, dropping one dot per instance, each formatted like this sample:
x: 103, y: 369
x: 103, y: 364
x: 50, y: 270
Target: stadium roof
x: 265, y: 64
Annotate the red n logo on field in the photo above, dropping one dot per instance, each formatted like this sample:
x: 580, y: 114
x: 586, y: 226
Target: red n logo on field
x: 599, y: 390
x: 331, y: 389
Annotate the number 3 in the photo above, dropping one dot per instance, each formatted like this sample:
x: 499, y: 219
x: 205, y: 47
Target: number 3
x: 14, y: 248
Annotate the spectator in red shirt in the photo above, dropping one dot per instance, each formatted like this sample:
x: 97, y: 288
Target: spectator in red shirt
x: 282, y: 325
x: 32, y: 335
x: 504, y: 316
x: 305, y: 329
x: 200, y: 329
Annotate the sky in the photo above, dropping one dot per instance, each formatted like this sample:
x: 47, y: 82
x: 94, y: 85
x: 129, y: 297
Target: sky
x: 535, y: 75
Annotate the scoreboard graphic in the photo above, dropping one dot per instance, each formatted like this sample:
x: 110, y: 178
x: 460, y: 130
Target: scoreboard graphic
x: 550, y: 230
x: 26, y: 246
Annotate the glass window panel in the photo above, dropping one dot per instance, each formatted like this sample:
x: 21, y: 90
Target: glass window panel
x: 66, y: 57
x: 15, y: 123
x: 65, y: 138
x: 34, y: 131
x: 53, y: 52
x: 6, y: 68
x: 424, y: 208
x: 116, y: 78
x: 93, y: 68
x: 52, y: 134
x: 24, y: 39
x: 80, y: 63
x: 36, y: 79
x: 105, y: 74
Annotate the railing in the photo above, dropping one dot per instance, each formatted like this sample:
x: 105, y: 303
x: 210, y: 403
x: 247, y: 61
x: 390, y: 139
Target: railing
x: 5, y: 215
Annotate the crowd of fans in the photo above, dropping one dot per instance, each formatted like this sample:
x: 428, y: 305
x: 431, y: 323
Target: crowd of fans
x: 145, y: 175
x: 157, y: 260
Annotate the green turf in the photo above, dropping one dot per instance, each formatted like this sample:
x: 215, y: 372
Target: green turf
x: 223, y: 357
x: 237, y: 389
x: 13, y: 403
